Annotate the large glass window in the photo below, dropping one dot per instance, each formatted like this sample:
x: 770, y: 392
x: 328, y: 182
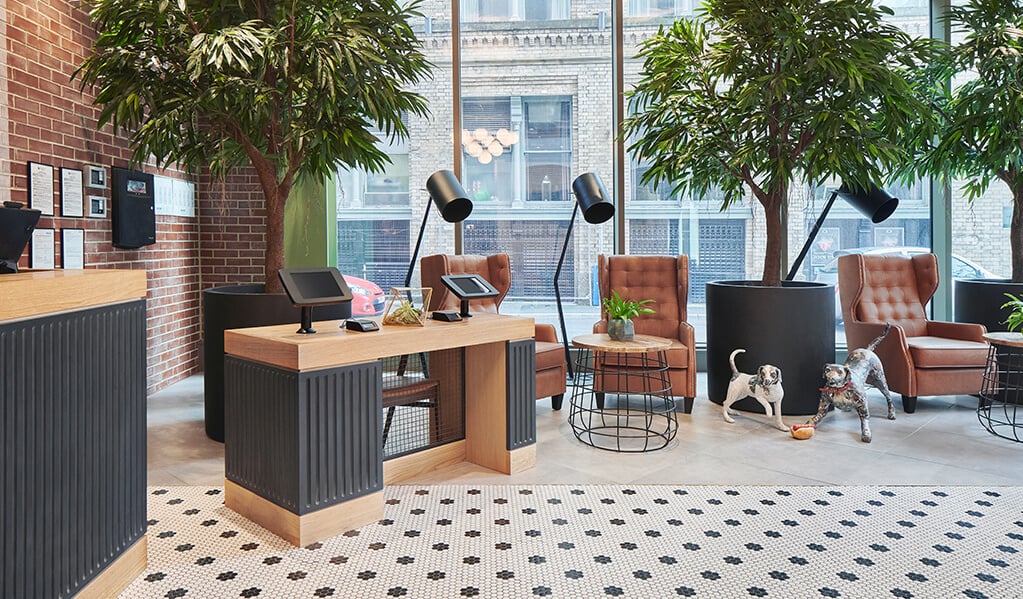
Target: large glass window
x: 473, y: 11
x: 542, y: 81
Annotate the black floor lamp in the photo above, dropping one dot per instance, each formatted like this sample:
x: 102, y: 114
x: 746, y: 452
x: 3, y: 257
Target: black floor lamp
x: 595, y: 202
x: 872, y: 202
x: 453, y: 203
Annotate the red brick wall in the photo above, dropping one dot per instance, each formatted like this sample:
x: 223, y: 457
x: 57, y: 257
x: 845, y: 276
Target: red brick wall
x: 45, y: 118
x: 231, y: 225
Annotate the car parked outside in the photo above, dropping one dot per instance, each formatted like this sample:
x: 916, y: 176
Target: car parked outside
x: 961, y: 268
x: 368, y: 297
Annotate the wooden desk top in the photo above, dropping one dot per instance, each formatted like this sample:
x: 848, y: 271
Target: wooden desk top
x: 30, y: 293
x: 639, y: 344
x: 333, y: 346
x: 1002, y: 338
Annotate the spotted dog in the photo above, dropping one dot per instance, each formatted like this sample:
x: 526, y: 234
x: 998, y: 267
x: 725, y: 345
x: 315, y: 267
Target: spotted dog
x: 845, y: 385
x: 764, y: 386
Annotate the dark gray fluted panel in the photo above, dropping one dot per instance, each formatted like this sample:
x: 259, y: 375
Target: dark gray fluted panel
x: 304, y: 441
x: 72, y: 446
x: 521, y: 406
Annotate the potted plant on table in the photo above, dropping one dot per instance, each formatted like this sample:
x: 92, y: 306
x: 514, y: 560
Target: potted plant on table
x: 980, y: 137
x: 620, y: 313
x: 290, y: 89
x: 750, y: 98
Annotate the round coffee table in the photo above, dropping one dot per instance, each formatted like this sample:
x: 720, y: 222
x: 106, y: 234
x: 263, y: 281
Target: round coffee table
x: 1000, y: 409
x: 642, y: 418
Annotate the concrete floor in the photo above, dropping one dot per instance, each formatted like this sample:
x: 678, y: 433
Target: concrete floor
x: 942, y: 443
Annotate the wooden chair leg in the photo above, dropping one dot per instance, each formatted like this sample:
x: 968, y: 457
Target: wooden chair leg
x: 557, y: 400
x: 909, y: 403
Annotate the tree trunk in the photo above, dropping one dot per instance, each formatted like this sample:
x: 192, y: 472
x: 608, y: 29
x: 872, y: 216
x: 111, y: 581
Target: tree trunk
x: 775, y: 233
x: 274, y: 196
x: 1016, y: 231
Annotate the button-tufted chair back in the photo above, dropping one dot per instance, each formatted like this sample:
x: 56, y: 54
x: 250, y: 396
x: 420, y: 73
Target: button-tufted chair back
x: 891, y: 289
x: 664, y: 279
x: 496, y: 269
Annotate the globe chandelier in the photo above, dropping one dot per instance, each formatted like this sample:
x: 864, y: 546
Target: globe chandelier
x: 485, y: 146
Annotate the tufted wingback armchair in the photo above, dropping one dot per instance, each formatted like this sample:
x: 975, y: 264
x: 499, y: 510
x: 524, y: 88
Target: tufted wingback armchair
x: 920, y: 356
x: 550, y: 355
x: 664, y: 279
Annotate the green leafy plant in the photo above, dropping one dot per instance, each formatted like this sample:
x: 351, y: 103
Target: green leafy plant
x: 623, y: 309
x: 291, y: 88
x: 755, y: 95
x: 980, y: 138
x: 1015, y: 319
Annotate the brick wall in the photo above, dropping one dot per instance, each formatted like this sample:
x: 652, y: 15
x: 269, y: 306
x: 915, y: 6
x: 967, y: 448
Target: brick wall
x: 45, y: 118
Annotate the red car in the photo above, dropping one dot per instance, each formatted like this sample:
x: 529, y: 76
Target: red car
x: 369, y: 297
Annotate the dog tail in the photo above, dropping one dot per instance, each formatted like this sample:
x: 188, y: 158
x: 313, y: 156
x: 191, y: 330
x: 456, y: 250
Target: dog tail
x: 731, y: 360
x: 877, y: 341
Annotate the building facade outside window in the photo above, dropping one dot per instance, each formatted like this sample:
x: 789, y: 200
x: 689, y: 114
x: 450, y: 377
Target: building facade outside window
x: 536, y: 102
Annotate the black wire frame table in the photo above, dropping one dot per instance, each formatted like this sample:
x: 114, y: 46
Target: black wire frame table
x: 642, y: 417
x: 1000, y: 409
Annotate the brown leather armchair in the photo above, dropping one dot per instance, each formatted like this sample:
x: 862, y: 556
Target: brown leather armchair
x: 920, y: 356
x: 664, y: 279
x: 550, y: 355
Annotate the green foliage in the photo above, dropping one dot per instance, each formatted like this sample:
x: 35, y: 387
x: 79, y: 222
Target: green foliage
x: 981, y: 119
x: 1015, y: 319
x: 210, y: 83
x: 618, y: 308
x: 757, y: 94
x: 292, y: 88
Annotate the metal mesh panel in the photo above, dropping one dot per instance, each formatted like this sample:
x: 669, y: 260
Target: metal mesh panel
x: 533, y: 246
x: 721, y: 256
x: 423, y: 401
x: 654, y: 237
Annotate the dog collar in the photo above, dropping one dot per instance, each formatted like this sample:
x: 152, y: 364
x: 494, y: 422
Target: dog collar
x: 836, y: 389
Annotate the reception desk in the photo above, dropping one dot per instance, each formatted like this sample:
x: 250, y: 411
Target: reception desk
x: 72, y: 432
x: 303, y: 448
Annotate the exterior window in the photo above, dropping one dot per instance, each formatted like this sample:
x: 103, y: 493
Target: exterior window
x: 514, y: 10
x: 387, y: 188
x: 548, y: 148
x: 658, y: 8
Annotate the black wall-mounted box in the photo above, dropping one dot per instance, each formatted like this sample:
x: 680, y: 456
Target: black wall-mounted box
x: 133, y: 213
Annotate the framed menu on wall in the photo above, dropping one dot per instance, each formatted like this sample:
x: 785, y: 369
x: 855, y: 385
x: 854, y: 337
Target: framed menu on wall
x: 42, y: 248
x: 71, y: 192
x: 72, y: 248
x: 40, y: 187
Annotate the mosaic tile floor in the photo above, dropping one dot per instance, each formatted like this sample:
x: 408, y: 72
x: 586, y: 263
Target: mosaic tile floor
x: 606, y: 541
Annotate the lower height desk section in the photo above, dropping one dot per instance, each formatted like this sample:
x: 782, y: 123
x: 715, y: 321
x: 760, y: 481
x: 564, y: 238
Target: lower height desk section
x: 303, y: 442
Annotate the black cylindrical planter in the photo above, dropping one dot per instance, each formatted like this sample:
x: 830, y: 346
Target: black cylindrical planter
x: 791, y: 327
x: 980, y: 301
x: 237, y: 307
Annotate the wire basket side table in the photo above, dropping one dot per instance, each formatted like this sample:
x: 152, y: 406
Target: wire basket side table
x: 643, y: 418
x: 1000, y: 409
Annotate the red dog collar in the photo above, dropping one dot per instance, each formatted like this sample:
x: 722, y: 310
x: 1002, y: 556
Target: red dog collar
x: 836, y: 390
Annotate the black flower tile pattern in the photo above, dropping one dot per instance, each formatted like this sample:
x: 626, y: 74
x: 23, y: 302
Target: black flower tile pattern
x: 605, y: 541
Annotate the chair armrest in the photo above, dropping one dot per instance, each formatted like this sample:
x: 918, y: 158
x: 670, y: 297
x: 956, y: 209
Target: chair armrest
x: 893, y: 352
x: 687, y: 335
x: 600, y: 326
x: 545, y: 332
x: 957, y: 330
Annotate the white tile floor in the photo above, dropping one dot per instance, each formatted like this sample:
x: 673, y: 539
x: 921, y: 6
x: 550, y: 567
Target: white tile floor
x: 942, y: 443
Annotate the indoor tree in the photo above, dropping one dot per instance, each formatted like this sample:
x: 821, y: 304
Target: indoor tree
x: 981, y: 120
x: 291, y: 88
x: 755, y: 95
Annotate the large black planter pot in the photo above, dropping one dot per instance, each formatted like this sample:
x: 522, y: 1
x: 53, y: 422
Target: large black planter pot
x: 980, y: 301
x: 791, y: 327
x: 238, y: 307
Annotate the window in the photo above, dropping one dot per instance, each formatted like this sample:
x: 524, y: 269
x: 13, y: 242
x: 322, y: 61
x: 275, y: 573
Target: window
x: 482, y: 11
x: 658, y: 8
x: 548, y: 148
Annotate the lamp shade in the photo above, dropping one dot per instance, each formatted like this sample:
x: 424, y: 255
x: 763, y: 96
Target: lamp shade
x: 872, y: 202
x: 593, y: 199
x: 447, y: 194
